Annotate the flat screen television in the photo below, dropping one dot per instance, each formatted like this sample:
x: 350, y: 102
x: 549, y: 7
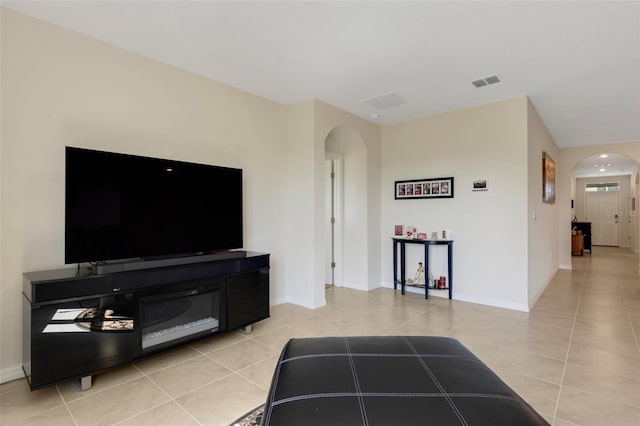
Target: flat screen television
x: 121, y: 207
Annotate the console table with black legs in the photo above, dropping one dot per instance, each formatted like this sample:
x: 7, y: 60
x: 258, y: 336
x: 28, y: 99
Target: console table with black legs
x: 399, y: 268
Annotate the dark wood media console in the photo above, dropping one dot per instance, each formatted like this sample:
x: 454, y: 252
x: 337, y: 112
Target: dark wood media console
x: 77, y: 323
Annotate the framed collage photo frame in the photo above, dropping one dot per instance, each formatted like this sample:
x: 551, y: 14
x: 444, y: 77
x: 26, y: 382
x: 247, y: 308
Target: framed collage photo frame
x: 424, y: 188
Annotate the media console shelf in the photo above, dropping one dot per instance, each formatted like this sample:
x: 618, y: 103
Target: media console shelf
x: 77, y: 323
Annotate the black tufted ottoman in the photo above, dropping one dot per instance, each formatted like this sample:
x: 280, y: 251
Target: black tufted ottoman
x: 389, y: 381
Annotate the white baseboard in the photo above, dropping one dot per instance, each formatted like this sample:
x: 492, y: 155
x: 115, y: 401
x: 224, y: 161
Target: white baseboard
x: 303, y: 303
x: 279, y: 301
x: 544, y: 287
x: 464, y: 298
x: 493, y: 302
x: 355, y: 286
x: 444, y: 294
x: 568, y: 267
x: 12, y: 373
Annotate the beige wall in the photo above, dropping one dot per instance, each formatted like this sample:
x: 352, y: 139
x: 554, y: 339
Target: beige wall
x: 309, y: 124
x: 298, y: 208
x: 541, y: 217
x: 634, y: 192
x: 487, y: 142
x: 60, y: 88
x: 328, y: 118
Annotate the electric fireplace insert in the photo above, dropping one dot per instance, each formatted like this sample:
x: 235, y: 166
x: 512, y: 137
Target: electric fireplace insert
x: 170, y: 318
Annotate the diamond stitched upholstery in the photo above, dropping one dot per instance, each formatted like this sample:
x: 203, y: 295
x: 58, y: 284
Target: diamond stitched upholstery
x: 389, y: 380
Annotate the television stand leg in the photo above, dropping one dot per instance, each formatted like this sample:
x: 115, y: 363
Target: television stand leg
x: 85, y: 383
x: 247, y: 329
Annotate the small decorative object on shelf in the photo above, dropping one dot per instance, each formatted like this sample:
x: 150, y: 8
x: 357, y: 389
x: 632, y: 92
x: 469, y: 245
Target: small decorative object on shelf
x: 442, y: 283
x: 411, y: 231
x: 418, y: 279
x: 398, y: 230
x: 431, y: 283
x: 434, y: 235
x: 444, y: 234
x: 422, y: 235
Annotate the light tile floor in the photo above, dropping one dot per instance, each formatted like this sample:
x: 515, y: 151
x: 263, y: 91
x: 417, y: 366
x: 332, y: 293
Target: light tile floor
x: 575, y: 357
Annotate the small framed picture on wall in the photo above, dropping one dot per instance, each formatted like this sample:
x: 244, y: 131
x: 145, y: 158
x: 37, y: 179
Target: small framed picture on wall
x: 480, y: 185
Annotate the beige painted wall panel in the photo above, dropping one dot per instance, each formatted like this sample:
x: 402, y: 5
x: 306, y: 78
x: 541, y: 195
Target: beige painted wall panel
x: 60, y: 88
x: 542, y: 218
x: 489, y: 228
x: 298, y: 209
x: 328, y: 118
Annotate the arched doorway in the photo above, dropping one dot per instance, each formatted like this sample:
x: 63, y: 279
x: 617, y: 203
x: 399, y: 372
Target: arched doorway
x: 347, y: 239
x: 604, y: 194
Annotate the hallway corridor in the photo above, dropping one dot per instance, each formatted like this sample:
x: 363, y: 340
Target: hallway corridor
x: 599, y: 302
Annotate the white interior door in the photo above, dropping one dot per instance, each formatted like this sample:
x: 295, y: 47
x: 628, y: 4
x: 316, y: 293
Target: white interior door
x: 329, y: 231
x: 603, y: 213
x: 334, y: 232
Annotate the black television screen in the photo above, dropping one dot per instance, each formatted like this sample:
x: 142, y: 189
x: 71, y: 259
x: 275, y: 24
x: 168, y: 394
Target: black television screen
x: 124, y: 206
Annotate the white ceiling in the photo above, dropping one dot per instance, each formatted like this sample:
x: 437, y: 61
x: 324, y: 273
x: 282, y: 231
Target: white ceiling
x: 611, y: 165
x: 579, y: 62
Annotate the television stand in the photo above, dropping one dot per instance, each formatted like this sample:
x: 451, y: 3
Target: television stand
x: 77, y: 323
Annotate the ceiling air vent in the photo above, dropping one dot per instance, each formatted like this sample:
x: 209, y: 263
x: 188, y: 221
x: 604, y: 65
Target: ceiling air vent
x: 386, y: 100
x: 487, y: 80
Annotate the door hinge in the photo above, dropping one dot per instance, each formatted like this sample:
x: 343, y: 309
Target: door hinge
x: 333, y: 220
x: 333, y: 264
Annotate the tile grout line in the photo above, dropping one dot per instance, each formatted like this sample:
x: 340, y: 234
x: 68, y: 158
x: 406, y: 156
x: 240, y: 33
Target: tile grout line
x: 66, y: 406
x: 633, y: 330
x: 573, y: 327
x: 171, y: 399
x: 39, y: 413
x: 617, y: 401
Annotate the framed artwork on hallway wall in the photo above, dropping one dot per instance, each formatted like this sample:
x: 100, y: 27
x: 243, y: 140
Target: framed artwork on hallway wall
x: 424, y: 188
x: 548, y: 179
